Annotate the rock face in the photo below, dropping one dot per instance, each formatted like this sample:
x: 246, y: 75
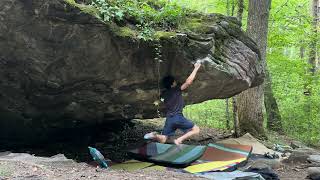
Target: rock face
x: 61, y: 68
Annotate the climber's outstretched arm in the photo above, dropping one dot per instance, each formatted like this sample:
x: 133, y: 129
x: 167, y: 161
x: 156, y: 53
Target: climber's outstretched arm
x: 191, y: 77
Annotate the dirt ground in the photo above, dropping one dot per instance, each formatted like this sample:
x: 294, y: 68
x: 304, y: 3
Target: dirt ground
x: 78, y: 171
x: 130, y: 136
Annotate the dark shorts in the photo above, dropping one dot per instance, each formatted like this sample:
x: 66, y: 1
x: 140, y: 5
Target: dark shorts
x: 175, y: 122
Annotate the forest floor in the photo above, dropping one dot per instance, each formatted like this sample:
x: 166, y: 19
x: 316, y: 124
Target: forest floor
x: 71, y: 169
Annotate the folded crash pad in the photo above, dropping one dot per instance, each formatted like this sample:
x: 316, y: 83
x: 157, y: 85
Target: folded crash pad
x: 221, y: 157
x: 169, y: 154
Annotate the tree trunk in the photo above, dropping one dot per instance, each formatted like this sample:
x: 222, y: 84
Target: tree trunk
x: 228, y: 7
x: 235, y: 118
x: 312, y: 46
x: 227, y: 114
x: 250, y: 102
x: 271, y: 105
x: 302, y: 52
x: 234, y: 104
x: 233, y: 7
x: 240, y: 10
x: 314, y: 41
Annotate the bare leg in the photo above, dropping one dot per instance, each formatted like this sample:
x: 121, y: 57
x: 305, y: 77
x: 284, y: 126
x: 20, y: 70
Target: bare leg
x: 160, y: 138
x: 195, y: 130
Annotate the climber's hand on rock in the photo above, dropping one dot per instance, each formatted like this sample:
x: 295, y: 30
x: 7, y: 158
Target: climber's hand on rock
x: 197, y: 65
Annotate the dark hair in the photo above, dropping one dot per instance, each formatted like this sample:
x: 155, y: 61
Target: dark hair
x: 167, y: 81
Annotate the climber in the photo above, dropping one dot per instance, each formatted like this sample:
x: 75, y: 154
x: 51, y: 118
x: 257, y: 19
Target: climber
x: 174, y: 106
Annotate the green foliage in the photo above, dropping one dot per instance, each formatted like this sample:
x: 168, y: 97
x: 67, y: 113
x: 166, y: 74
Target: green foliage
x: 146, y: 15
x: 290, y: 30
x: 290, y: 23
x: 214, y: 6
x: 300, y: 113
x: 208, y: 114
x: 108, y: 11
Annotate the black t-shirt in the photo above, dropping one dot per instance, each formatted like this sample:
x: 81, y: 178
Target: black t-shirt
x: 173, y: 101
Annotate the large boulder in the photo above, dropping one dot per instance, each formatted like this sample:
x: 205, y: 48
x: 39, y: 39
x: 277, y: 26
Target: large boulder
x: 62, y: 68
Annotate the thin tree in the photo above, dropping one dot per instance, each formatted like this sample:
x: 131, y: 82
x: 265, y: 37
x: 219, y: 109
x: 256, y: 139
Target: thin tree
x: 227, y: 114
x: 240, y: 10
x: 227, y: 100
x: 233, y: 7
x: 228, y: 7
x: 312, y: 56
x: 235, y: 118
x: 314, y: 40
x: 249, y: 102
x: 234, y: 104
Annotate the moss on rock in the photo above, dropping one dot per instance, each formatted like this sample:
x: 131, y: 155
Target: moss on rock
x: 127, y: 32
x: 164, y: 35
x: 197, y: 23
x: 194, y: 24
x: 84, y: 8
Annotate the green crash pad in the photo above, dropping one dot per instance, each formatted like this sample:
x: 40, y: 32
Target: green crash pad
x: 168, y: 154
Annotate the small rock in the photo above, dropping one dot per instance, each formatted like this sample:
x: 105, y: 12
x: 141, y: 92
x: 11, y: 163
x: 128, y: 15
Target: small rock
x: 314, y: 173
x: 314, y: 158
x: 267, y: 163
x: 295, y: 169
x: 300, y: 155
x: 286, y: 154
x: 296, y: 144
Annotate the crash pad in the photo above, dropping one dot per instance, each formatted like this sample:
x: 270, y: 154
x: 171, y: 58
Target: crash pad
x: 248, y: 139
x: 168, y: 154
x: 221, y: 157
x: 150, y: 149
x: 180, y: 155
x: 131, y: 165
x: 156, y: 168
x: 213, y: 166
